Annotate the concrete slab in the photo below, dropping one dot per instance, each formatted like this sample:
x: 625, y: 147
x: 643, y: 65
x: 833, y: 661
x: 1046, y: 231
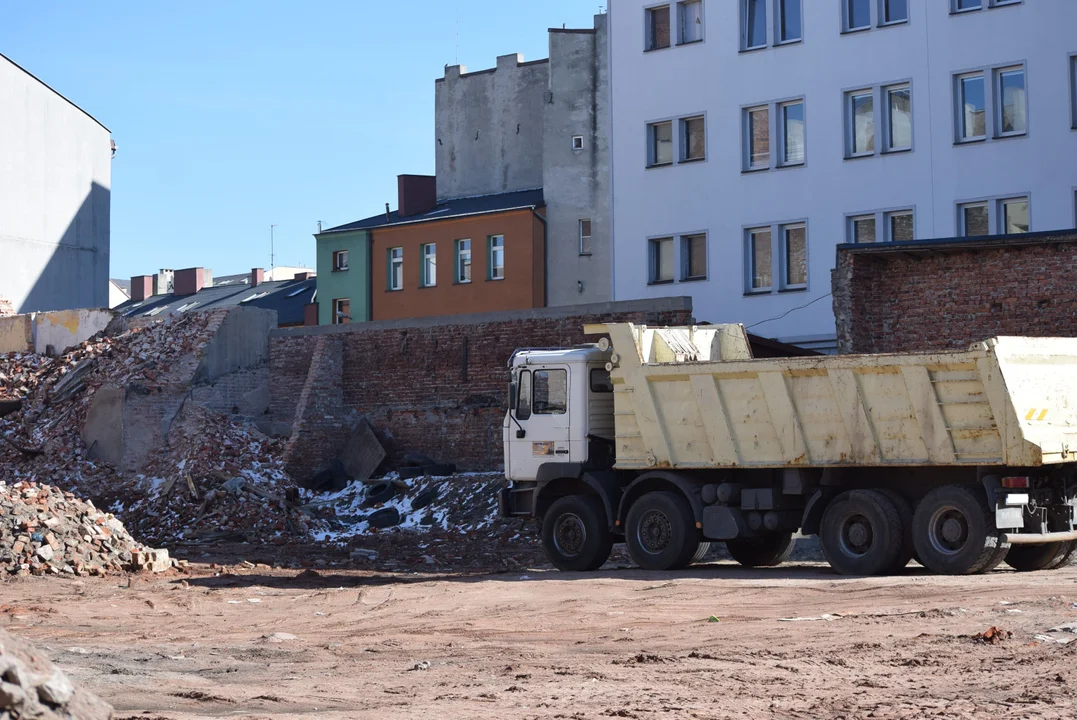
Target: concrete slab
x: 103, y: 431
x: 362, y: 453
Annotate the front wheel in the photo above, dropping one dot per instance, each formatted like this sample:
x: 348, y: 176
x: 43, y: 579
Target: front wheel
x: 576, y: 535
x: 1030, y: 558
x: 766, y: 551
x: 661, y: 532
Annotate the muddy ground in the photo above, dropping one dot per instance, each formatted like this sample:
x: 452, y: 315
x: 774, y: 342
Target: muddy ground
x: 251, y: 641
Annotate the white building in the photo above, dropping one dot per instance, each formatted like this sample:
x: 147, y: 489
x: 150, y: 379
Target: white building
x: 55, y: 179
x: 750, y: 137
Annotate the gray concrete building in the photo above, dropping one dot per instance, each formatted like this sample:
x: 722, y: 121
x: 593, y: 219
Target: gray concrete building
x: 539, y: 124
x: 55, y: 179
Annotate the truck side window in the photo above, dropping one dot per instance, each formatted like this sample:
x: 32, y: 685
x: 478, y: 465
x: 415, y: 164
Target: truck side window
x: 601, y: 381
x: 551, y: 392
x: 523, y: 399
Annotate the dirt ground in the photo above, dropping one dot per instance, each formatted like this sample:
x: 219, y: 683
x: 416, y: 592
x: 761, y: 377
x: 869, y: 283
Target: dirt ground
x: 251, y: 641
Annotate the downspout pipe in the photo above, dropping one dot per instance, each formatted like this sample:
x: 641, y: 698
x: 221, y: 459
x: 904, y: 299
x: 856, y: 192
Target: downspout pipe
x: 545, y: 257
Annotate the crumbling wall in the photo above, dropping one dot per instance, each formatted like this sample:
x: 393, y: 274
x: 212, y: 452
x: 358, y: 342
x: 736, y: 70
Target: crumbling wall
x: 59, y: 330
x: 431, y: 386
x: 955, y: 295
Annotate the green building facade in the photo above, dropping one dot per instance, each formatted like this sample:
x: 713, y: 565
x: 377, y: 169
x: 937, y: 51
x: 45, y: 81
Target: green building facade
x: 344, y: 275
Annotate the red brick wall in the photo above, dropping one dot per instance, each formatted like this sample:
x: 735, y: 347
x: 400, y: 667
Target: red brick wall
x: 437, y: 389
x: 954, y: 296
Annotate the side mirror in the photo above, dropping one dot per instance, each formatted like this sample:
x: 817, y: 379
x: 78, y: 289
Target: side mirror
x: 521, y: 434
x: 512, y: 396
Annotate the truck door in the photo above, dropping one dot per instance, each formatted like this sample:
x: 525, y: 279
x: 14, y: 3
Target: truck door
x: 543, y: 414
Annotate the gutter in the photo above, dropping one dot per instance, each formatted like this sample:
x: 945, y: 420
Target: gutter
x: 545, y: 257
x: 435, y: 219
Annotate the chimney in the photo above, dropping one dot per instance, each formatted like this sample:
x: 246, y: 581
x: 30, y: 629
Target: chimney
x: 163, y: 281
x: 258, y: 276
x: 387, y: 213
x: 416, y: 194
x: 141, y: 287
x: 189, y: 281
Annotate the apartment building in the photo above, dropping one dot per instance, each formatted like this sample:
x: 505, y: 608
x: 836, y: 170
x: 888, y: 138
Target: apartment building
x: 751, y: 137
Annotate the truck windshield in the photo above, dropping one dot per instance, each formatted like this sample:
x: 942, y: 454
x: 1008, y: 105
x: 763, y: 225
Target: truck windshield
x: 551, y: 392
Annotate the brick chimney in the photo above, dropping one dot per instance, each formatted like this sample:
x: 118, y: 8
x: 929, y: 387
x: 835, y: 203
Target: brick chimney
x: 258, y: 276
x: 141, y: 287
x: 415, y: 194
x: 189, y: 281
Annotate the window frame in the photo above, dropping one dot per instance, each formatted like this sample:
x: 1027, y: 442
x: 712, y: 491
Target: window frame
x: 684, y: 138
x: 995, y: 212
x: 747, y: 137
x: 767, y: 8
x: 459, y: 262
x: 984, y: 5
x: 390, y: 284
x: 338, y: 308
x: 850, y: 123
x: 883, y: 229
x: 652, y: 143
x: 783, y: 138
x: 882, y: 117
x: 883, y: 22
x: 783, y: 260
x: 776, y: 35
x: 772, y: 26
x: 846, y: 18
x: 425, y: 263
x: 586, y: 250
x: 750, y: 232
x: 490, y: 267
x: 684, y: 239
x: 577, y: 143
x: 850, y: 228
x: 653, y: 259
x: 1072, y: 59
x: 648, y: 27
x: 991, y: 76
x: 337, y: 265
x: 876, y: 17
x: 888, y: 117
x: 681, y: 5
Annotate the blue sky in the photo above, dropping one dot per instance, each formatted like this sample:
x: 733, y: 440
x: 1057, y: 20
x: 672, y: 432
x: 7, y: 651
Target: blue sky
x: 231, y: 116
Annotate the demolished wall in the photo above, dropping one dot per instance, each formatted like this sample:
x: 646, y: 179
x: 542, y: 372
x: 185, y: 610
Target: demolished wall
x: 435, y: 386
x: 51, y: 332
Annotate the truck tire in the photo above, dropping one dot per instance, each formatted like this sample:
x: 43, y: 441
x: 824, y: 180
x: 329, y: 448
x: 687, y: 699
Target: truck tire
x: 954, y: 531
x: 1067, y: 559
x: 766, y: 551
x: 576, y: 535
x: 1030, y: 558
x: 661, y: 531
x: 908, y: 550
x: 701, y: 552
x: 861, y: 533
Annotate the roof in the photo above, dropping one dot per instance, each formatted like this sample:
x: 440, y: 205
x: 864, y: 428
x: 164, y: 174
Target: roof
x: 287, y: 297
x: 124, y: 285
x: 936, y: 246
x: 456, y: 208
x: 59, y: 94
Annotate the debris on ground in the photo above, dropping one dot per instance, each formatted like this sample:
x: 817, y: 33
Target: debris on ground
x: 46, y: 531
x: 993, y: 636
x: 31, y: 687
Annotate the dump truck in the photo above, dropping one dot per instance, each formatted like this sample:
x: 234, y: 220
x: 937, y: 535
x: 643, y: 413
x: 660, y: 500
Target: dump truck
x: 670, y: 439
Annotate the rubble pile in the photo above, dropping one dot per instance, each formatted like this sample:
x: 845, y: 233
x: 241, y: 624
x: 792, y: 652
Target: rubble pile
x: 46, y: 531
x: 32, y: 687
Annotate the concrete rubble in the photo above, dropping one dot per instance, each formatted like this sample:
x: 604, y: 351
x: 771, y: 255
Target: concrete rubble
x: 32, y: 687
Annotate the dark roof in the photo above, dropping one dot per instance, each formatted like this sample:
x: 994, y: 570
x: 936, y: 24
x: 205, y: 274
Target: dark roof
x: 35, y: 77
x: 460, y: 207
x: 124, y: 285
x: 949, y: 245
x: 287, y: 297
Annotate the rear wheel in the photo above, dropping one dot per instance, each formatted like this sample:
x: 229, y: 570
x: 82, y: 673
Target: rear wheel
x: 861, y: 533
x: 905, y: 512
x: 1029, y: 558
x: 661, y: 532
x: 1068, y: 558
x: 576, y: 535
x: 766, y: 551
x: 701, y: 552
x: 954, y: 531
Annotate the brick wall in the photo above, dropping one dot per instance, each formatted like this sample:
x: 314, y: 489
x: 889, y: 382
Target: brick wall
x: 947, y: 295
x: 426, y: 386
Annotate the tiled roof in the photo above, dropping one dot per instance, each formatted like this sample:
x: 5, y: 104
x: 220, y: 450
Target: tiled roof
x: 460, y: 207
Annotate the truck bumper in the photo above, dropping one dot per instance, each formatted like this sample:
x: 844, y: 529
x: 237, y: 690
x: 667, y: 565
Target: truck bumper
x: 1038, y: 538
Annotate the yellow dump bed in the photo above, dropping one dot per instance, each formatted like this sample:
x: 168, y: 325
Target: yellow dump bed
x: 693, y: 398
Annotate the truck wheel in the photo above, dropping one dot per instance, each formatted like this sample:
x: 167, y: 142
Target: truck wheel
x: 661, y: 532
x: 1066, y: 559
x: 954, y: 531
x: 861, y: 533
x: 1029, y: 558
x: 766, y: 551
x: 908, y: 550
x: 701, y: 552
x: 576, y: 535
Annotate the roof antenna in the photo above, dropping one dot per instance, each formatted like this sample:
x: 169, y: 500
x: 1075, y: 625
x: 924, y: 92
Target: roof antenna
x: 386, y: 212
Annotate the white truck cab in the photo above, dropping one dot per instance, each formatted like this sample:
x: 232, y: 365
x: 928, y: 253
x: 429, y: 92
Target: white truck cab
x: 560, y: 409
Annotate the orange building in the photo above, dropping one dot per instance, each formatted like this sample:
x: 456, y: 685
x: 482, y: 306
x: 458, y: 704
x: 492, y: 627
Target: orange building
x: 467, y: 255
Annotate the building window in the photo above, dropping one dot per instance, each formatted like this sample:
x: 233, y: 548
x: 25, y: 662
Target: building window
x: 585, y: 237
x: 994, y: 216
x: 759, y: 266
x: 899, y: 117
x: 895, y: 11
x: 577, y: 142
x: 496, y: 258
x: 961, y: 6
x: 658, y: 27
x: 792, y: 115
x: 857, y: 14
x: 340, y: 261
x: 342, y: 311
x: 430, y: 266
x: 862, y: 229
x: 756, y: 29
x: 794, y: 257
x: 463, y: 261
x: 690, y: 13
x: 861, y: 123
x: 396, y: 268
x: 661, y: 251
x: 693, y: 139
x: 757, y: 135
x: 1073, y: 91
x: 1012, y: 106
x: 660, y: 144
x: 900, y: 225
x: 971, y: 102
x: 694, y: 257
